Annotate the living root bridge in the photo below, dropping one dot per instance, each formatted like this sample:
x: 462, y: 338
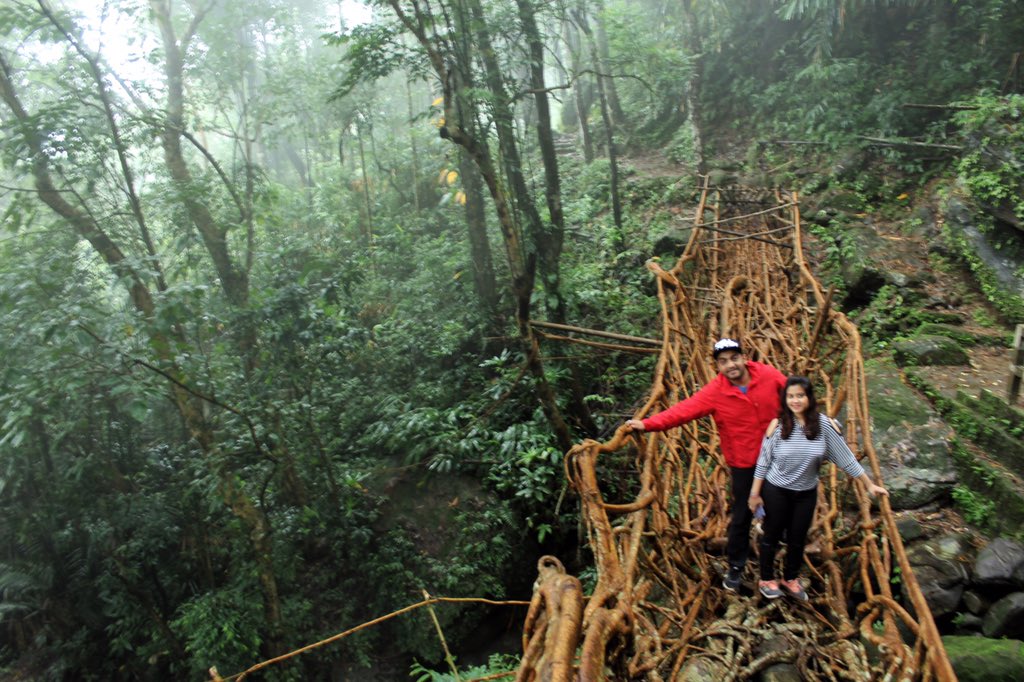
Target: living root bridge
x: 658, y: 612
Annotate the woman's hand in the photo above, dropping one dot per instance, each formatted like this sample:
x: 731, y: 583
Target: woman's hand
x: 875, y: 489
x: 754, y: 501
x: 635, y: 425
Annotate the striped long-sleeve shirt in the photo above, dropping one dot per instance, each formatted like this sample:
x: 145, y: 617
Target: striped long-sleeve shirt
x: 793, y: 463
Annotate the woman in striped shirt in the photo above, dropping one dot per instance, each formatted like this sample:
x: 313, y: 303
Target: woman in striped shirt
x: 786, y: 482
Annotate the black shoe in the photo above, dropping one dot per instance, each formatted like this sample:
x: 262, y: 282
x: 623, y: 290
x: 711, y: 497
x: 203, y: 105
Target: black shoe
x: 732, y: 578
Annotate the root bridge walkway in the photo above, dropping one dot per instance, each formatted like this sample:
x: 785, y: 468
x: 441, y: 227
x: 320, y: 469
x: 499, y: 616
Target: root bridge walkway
x: 658, y: 611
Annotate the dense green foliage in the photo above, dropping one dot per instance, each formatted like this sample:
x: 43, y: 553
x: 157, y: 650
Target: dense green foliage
x: 315, y: 417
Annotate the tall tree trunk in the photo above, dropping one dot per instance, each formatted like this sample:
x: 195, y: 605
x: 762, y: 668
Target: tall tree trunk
x: 550, y: 241
x: 368, y: 225
x: 234, y: 281
x: 609, y: 128
x: 693, y: 91
x: 415, y: 158
x: 611, y: 89
x: 572, y: 44
x: 484, y: 282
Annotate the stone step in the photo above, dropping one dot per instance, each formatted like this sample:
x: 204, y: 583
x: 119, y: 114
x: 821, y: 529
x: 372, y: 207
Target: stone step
x: 990, y: 480
x: 987, y: 424
x: 985, y: 470
x: 928, y: 349
x: 997, y: 408
x: 961, y: 335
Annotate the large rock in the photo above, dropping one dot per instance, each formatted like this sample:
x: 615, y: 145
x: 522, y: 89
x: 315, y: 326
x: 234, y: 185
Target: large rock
x: 998, y: 562
x: 940, y: 591
x: 977, y: 659
x: 698, y: 669
x: 911, y: 441
x: 1005, y: 264
x: 1006, y: 617
x: 672, y: 242
x: 859, y: 267
x: 929, y: 349
x: 941, y: 571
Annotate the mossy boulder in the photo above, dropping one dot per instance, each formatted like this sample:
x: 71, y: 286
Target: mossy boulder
x: 861, y: 275
x: 911, y: 441
x: 1005, y: 618
x: 672, y: 241
x: 940, y: 317
x: 978, y: 659
x: 960, y: 335
x: 942, y: 571
x: 892, y: 402
x: 929, y: 349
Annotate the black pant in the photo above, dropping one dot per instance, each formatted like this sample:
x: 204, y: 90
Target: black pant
x: 791, y: 511
x: 738, y: 547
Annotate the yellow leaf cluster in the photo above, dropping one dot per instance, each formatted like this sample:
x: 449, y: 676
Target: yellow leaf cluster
x: 447, y: 177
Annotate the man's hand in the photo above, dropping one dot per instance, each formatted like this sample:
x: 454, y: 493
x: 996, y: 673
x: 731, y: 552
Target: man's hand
x: 635, y: 425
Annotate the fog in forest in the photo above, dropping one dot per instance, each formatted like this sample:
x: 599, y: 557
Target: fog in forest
x: 307, y: 308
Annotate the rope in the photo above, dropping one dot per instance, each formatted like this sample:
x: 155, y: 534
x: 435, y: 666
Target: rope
x: 376, y: 621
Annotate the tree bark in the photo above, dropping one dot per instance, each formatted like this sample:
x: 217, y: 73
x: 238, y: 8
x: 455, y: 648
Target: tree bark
x: 234, y: 280
x: 572, y: 45
x: 415, y: 158
x: 693, y: 91
x: 611, y: 89
x: 609, y: 128
x: 551, y: 240
x: 368, y: 225
x: 484, y: 283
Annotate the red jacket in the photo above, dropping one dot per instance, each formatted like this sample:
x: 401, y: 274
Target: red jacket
x: 741, y: 419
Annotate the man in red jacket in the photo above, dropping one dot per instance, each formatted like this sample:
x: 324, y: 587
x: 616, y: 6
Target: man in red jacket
x: 742, y: 399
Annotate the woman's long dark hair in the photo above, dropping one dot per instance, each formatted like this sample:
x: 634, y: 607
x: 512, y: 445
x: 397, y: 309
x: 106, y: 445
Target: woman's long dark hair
x: 811, y: 422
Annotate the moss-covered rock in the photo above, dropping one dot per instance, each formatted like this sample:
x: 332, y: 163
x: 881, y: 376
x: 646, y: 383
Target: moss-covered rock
x: 672, y: 241
x: 980, y: 477
x: 893, y: 403
x: 995, y: 407
x: 911, y: 442
x: 1006, y: 617
x: 940, y: 317
x: 942, y: 567
x: 961, y: 336
x: 928, y: 349
x: 978, y: 659
x: 992, y: 425
x: 998, y: 275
